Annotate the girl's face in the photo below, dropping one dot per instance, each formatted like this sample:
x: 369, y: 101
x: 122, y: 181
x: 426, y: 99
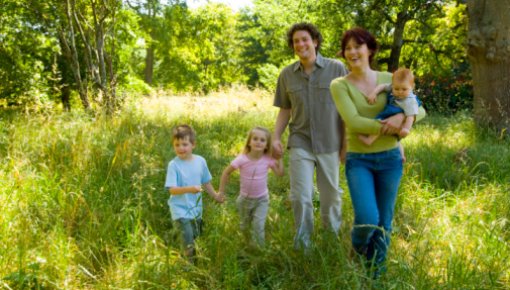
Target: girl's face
x: 183, y: 148
x: 258, y: 141
x: 357, y: 55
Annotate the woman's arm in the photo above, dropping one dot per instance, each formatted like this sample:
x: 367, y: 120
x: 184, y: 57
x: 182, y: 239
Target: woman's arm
x: 393, y: 124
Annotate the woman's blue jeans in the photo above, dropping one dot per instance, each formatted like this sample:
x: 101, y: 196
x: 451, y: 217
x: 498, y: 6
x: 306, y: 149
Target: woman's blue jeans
x: 373, y: 180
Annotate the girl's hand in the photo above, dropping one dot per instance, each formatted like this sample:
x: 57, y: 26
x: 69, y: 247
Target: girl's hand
x: 197, y: 188
x: 219, y: 197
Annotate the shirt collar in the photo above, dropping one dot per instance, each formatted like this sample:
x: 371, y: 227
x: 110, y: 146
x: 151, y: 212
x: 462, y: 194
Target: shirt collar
x: 319, y: 61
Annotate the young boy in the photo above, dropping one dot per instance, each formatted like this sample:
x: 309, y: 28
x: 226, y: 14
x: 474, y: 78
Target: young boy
x: 401, y: 99
x: 186, y: 175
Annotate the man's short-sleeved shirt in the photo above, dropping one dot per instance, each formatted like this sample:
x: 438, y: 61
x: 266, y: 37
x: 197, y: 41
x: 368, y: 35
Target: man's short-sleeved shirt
x: 315, y: 122
x: 182, y: 173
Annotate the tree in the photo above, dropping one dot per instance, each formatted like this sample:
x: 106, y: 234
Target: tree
x: 489, y: 55
x: 150, y: 12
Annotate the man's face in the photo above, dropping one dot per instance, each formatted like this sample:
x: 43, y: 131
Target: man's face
x: 304, y: 45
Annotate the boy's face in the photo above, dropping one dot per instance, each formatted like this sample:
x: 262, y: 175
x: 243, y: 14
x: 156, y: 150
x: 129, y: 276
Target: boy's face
x: 183, y: 148
x: 401, y: 89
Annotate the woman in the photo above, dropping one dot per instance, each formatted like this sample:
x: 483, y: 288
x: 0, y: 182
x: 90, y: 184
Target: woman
x: 373, y: 172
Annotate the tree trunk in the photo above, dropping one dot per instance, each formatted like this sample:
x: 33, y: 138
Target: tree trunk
x: 149, y: 64
x: 489, y: 55
x: 398, y: 41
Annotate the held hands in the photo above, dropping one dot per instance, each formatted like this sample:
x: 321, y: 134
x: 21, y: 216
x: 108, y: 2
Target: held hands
x: 277, y: 149
x: 219, y: 197
x: 196, y: 188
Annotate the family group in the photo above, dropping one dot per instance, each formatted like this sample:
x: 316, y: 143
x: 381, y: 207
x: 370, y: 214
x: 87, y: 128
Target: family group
x: 354, y: 115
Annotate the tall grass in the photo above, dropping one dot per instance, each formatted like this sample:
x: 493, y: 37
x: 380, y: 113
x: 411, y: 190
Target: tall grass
x: 82, y: 206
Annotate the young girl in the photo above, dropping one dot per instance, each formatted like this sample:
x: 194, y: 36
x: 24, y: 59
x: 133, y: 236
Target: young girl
x: 253, y: 165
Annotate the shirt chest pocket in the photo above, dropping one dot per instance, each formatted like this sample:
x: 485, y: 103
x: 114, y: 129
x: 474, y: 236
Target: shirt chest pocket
x: 297, y: 94
x: 323, y: 92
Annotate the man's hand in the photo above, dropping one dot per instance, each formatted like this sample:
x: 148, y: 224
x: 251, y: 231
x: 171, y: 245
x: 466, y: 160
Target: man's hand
x: 343, y: 156
x: 277, y: 149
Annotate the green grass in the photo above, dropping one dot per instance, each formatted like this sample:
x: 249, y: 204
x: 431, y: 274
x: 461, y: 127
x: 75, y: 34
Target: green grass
x: 82, y: 206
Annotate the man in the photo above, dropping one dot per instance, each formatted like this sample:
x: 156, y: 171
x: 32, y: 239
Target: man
x: 315, y: 138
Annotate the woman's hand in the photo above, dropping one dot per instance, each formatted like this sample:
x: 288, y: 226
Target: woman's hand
x: 392, y: 125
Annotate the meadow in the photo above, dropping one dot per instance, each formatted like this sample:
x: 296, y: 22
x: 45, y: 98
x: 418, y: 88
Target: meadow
x: 82, y: 205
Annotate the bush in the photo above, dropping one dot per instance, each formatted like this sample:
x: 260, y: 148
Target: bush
x: 446, y: 94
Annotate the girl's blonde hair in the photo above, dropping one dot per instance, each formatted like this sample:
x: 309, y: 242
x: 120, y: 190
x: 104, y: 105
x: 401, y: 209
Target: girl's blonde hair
x: 269, y: 146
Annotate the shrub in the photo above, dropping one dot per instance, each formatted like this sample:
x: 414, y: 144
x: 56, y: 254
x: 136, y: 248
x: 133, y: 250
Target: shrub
x: 446, y: 94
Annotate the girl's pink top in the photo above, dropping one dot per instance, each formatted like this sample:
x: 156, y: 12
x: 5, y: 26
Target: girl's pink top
x: 253, y: 174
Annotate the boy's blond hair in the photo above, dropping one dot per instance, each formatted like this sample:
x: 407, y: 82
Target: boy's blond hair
x: 403, y: 75
x: 183, y: 131
x: 268, y: 149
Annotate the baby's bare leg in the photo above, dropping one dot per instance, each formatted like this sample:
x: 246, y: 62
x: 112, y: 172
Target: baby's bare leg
x: 401, y: 148
x: 368, y: 139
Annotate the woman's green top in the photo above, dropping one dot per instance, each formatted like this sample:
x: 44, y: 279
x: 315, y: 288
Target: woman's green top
x: 359, y: 115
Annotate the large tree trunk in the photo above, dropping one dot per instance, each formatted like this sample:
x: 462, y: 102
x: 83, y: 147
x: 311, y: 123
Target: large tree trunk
x: 489, y: 54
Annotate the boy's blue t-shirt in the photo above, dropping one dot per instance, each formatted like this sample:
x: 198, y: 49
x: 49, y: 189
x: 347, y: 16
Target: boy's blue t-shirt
x: 186, y: 173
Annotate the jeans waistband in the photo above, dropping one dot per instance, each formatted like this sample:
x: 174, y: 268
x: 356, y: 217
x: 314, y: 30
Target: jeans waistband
x: 395, y: 152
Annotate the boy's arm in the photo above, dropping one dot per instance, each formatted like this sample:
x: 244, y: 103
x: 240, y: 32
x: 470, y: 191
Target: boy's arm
x: 279, y: 169
x: 225, y: 176
x: 378, y: 89
x: 210, y: 190
x: 176, y: 190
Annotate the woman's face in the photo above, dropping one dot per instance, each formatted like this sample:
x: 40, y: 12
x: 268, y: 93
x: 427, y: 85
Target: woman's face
x: 357, y: 55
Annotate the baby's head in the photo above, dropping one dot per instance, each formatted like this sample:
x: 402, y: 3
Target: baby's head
x: 402, y: 83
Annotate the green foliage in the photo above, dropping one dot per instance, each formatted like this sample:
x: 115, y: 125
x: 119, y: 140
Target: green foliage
x: 446, y: 94
x: 83, y: 205
x: 195, y: 52
x: 210, y: 47
x: 268, y: 75
x: 25, y: 57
